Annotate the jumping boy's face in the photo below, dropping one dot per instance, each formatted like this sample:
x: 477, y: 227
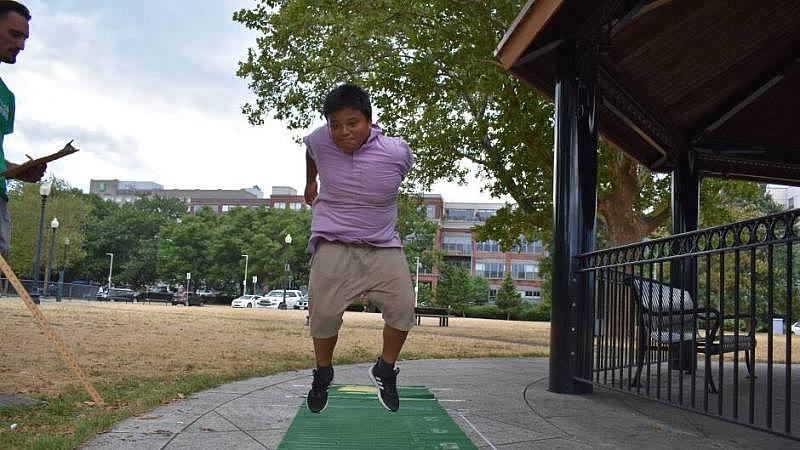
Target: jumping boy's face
x: 349, y: 128
x: 13, y: 33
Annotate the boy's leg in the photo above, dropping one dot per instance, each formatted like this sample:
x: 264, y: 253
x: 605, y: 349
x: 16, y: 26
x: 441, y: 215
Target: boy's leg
x: 393, y: 293
x: 323, y: 350
x: 393, y: 341
x: 331, y: 287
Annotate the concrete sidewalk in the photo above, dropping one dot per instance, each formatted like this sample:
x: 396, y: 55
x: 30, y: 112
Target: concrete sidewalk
x: 499, y: 403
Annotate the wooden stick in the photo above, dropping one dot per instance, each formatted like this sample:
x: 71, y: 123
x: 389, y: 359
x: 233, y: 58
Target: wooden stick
x: 48, y: 330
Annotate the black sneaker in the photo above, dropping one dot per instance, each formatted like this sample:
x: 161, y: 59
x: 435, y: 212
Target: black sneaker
x: 317, y: 399
x: 385, y: 379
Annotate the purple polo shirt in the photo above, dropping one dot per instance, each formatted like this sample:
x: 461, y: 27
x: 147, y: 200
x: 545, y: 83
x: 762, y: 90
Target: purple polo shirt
x: 357, y: 201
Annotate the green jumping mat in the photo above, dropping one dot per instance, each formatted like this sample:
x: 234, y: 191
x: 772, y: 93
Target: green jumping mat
x: 354, y: 419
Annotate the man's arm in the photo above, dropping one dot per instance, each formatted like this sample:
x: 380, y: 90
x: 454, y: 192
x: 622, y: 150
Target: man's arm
x: 311, y: 180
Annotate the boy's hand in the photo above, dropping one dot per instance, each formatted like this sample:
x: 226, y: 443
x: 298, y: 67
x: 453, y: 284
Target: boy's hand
x: 311, y: 192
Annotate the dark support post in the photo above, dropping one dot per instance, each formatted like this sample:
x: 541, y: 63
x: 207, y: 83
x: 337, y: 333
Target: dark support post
x: 574, y: 213
x: 685, y: 217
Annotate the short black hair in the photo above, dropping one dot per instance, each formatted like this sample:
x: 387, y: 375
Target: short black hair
x: 347, y: 96
x: 7, y: 6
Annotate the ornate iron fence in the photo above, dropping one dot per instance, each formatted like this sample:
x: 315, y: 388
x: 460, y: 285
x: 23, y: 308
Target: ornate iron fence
x: 702, y: 320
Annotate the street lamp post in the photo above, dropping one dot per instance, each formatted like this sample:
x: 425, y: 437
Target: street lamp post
x: 110, y: 269
x: 50, y: 254
x: 44, y: 191
x: 288, y: 241
x: 244, y: 281
x: 416, y: 284
x: 60, y: 290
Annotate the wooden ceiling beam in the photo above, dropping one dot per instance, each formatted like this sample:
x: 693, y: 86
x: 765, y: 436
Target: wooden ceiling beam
x: 745, y: 96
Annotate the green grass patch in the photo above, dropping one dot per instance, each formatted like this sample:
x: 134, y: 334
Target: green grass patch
x: 66, y: 421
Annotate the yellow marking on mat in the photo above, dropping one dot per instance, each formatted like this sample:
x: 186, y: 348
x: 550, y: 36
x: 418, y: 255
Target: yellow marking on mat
x: 359, y: 389
x: 48, y: 330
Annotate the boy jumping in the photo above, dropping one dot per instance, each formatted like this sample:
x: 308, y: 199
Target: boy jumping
x: 354, y: 246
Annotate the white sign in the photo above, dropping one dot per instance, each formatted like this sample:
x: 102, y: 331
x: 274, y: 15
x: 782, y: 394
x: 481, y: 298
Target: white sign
x: 188, y: 275
x: 255, y: 279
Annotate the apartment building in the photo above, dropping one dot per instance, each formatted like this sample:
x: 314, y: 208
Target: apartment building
x: 787, y: 196
x: 218, y: 200
x: 455, y: 239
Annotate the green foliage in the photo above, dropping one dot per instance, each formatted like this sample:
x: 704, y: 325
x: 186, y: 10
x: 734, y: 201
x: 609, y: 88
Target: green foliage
x: 526, y: 311
x: 430, y: 69
x: 457, y: 288
x: 131, y: 232
x: 71, y: 208
x: 211, y: 246
x: 507, y: 297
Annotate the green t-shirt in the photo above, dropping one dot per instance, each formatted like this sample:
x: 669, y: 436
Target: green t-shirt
x: 6, y: 127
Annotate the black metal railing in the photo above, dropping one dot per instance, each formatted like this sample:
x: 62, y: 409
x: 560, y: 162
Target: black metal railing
x: 702, y: 320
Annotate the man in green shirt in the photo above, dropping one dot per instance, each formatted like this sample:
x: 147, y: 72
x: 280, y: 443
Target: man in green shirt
x: 14, y: 19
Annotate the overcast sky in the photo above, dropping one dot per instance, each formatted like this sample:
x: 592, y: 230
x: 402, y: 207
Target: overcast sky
x: 148, y: 91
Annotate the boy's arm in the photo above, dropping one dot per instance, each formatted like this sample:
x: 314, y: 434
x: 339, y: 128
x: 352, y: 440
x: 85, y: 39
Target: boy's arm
x: 311, y: 179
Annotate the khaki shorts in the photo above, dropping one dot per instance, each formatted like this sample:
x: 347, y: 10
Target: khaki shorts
x: 341, y: 272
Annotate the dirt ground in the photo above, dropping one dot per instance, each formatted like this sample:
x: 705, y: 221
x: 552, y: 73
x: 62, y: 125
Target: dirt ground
x: 115, y: 341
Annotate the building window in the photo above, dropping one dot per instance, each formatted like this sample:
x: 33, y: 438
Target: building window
x: 279, y: 205
x: 430, y: 212
x: 462, y: 215
x: 528, y: 247
x: 790, y: 203
x: 487, y: 246
x: 490, y: 269
x: 493, y: 294
x: 226, y: 208
x: 482, y: 215
x: 524, y: 271
x: 101, y: 186
x: 457, y: 242
x: 295, y: 205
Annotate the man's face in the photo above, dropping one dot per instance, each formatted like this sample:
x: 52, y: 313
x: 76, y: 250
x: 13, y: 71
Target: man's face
x: 349, y: 128
x: 13, y: 33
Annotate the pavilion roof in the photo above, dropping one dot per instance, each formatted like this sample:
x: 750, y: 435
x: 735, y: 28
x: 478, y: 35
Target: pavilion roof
x: 718, y: 78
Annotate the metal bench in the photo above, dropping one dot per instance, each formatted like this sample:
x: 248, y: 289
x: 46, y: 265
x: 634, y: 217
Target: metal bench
x: 443, y: 314
x: 669, y: 319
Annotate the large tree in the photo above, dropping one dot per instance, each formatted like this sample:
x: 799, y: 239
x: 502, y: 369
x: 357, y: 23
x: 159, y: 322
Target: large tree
x: 430, y: 71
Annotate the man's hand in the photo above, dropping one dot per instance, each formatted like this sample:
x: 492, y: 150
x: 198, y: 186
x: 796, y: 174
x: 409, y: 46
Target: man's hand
x: 311, y: 192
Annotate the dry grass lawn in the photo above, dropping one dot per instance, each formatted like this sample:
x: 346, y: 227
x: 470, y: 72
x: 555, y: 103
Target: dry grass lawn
x: 116, y: 341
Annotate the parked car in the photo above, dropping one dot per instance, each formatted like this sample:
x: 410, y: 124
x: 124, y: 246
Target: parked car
x: 190, y: 300
x: 156, y: 295
x: 207, y: 292
x: 796, y: 328
x: 120, y: 295
x: 268, y: 303
x: 245, y: 301
x: 302, y: 303
x: 292, y: 297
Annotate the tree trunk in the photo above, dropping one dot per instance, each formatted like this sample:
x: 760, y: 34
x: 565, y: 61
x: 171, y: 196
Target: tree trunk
x: 617, y: 206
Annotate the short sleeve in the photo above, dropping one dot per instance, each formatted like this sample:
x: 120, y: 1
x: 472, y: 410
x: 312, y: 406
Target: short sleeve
x: 408, y: 156
x: 309, y: 148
